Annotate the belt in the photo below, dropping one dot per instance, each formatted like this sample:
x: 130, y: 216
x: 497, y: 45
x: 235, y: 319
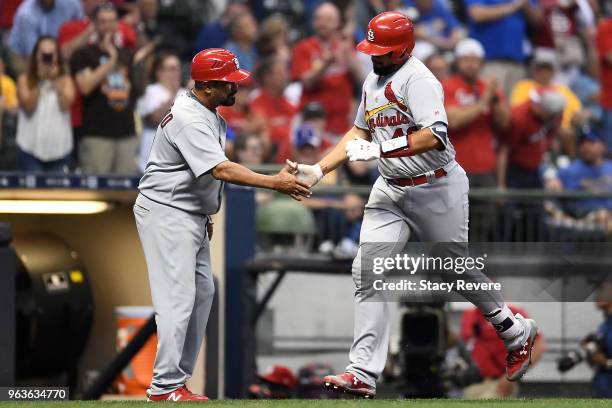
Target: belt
x: 428, y: 177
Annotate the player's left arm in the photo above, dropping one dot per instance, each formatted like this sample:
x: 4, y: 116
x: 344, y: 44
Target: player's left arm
x: 425, y: 99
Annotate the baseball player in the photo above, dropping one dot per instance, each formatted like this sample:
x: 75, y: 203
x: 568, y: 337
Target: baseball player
x: 401, y: 122
x: 181, y: 187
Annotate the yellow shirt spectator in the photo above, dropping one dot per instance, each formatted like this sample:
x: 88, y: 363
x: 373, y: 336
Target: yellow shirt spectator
x: 523, y: 88
x: 9, y: 92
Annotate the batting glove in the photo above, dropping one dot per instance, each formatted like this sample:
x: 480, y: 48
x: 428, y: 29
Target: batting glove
x: 307, y: 173
x: 362, y: 150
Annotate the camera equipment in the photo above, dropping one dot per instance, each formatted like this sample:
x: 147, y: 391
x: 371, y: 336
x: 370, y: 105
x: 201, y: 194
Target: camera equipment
x: 590, y: 345
x: 422, y: 350
x: 47, y: 58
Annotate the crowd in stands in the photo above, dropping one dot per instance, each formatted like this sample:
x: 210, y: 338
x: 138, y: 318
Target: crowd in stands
x: 84, y: 83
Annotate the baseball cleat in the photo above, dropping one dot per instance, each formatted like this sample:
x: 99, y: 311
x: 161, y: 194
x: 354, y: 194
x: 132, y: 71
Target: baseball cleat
x: 350, y: 384
x: 518, y: 360
x: 179, y: 395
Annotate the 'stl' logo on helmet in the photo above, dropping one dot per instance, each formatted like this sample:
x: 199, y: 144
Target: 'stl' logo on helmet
x: 236, y: 63
x: 370, y: 35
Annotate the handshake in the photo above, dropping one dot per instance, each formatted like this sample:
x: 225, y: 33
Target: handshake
x: 309, y: 175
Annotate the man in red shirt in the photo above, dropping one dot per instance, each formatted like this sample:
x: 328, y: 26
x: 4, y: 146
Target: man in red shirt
x: 489, y: 355
x: 76, y: 34
x: 327, y: 67
x: 475, y: 110
x: 271, y: 104
x: 604, y: 47
x: 534, y: 126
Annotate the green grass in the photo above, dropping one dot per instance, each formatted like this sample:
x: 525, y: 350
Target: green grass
x: 379, y: 403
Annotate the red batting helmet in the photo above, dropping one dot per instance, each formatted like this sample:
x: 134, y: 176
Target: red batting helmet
x: 389, y: 32
x: 217, y: 64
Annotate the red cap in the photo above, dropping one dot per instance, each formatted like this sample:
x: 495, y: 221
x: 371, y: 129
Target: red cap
x: 217, y: 64
x: 389, y: 32
x: 280, y: 375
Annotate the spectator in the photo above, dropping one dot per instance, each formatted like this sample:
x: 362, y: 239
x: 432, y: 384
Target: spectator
x: 214, y: 34
x: 273, y: 39
x: 7, y: 13
x: 489, y: 354
x: 307, y: 145
x: 434, y: 23
x: 438, y: 65
x: 8, y: 91
x: 75, y: 34
x: 242, y: 37
x: 248, y: 150
x: 565, y: 25
x: 534, y: 126
x: 326, y: 66
x: 543, y: 69
x: 241, y: 120
x: 588, y: 91
x: 102, y: 74
x: 590, y: 172
x: 157, y: 100
x: 270, y: 103
x: 501, y: 27
x: 46, y: 91
x: 312, y: 117
x: 604, y: 47
x: 475, y: 109
x: 36, y: 18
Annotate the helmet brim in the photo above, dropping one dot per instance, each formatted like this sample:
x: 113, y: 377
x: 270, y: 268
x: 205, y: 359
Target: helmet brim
x: 370, y: 48
x: 237, y: 76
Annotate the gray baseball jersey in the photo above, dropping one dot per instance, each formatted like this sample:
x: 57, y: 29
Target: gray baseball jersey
x: 189, y: 143
x: 399, y: 104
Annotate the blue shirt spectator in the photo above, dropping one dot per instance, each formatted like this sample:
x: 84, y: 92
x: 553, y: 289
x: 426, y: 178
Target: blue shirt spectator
x: 587, y: 89
x: 502, y: 38
x: 591, y: 172
x: 37, y: 18
x: 434, y: 16
x: 212, y: 35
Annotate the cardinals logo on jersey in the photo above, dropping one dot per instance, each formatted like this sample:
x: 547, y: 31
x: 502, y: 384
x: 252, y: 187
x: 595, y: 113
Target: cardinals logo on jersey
x: 393, y: 101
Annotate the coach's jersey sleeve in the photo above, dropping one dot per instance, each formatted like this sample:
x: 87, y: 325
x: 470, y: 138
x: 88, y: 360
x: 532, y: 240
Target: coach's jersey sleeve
x: 200, y: 146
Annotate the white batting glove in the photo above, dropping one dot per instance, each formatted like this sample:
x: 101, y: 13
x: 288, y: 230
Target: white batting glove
x: 362, y: 150
x: 307, y: 173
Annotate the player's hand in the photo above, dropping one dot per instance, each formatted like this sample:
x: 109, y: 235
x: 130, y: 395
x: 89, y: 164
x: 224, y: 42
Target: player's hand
x: 287, y: 183
x: 362, y: 150
x: 306, y: 173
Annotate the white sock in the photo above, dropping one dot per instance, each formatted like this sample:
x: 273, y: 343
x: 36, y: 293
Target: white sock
x: 508, y: 328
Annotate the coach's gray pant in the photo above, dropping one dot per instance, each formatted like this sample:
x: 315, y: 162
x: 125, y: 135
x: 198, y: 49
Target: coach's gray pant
x: 436, y: 212
x: 176, y: 249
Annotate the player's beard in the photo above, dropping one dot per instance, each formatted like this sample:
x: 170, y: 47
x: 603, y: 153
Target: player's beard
x: 384, y: 70
x: 230, y: 100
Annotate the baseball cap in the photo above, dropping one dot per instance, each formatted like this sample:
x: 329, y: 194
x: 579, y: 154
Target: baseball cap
x: 423, y: 50
x: 313, y: 110
x: 590, y: 133
x: 545, y: 57
x: 469, y: 47
x: 551, y: 100
x: 307, y: 135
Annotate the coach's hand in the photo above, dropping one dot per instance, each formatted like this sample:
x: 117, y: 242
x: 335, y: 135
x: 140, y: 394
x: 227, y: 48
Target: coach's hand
x: 286, y: 182
x: 362, y: 150
x: 305, y: 172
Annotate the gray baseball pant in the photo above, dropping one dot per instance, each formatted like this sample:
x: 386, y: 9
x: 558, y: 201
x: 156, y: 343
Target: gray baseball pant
x: 434, y: 212
x: 176, y: 249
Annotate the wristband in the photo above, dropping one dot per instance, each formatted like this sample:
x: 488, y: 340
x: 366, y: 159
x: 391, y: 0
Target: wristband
x: 317, y: 171
x: 394, y: 144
